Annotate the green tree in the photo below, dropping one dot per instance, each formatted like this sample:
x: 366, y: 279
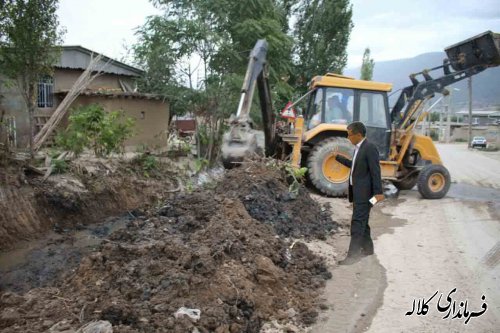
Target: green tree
x: 93, y: 128
x: 367, y: 66
x: 220, y: 35
x: 433, y: 116
x: 29, y: 35
x: 322, y: 33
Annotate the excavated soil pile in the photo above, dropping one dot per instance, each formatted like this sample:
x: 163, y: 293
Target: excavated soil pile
x: 201, y: 251
x: 267, y: 200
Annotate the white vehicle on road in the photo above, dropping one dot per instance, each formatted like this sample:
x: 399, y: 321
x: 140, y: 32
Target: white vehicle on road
x: 478, y: 141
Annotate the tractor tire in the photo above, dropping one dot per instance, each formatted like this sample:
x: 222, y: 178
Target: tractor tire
x: 433, y: 181
x: 326, y: 174
x: 407, y: 183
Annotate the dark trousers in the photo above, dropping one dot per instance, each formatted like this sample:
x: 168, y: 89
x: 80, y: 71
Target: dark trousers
x: 361, y: 240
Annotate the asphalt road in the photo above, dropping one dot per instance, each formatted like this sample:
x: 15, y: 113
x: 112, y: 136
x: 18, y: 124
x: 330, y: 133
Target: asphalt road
x: 448, y: 247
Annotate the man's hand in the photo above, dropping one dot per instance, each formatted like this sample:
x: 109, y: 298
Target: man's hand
x: 334, y: 153
x: 379, y: 197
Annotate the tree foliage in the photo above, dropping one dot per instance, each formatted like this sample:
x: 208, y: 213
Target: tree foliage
x: 196, y: 52
x: 218, y: 35
x: 93, y: 128
x: 29, y: 35
x: 367, y: 66
x: 322, y: 33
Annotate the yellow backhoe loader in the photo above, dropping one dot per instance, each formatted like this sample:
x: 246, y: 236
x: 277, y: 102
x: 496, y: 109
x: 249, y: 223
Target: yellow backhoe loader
x: 333, y: 101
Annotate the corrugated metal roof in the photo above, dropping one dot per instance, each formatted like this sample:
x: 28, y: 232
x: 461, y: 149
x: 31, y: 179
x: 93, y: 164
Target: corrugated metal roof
x: 479, y: 113
x: 116, y: 94
x: 78, y: 57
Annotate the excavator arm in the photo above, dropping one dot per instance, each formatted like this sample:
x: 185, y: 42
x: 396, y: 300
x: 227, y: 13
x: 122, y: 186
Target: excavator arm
x: 242, y: 140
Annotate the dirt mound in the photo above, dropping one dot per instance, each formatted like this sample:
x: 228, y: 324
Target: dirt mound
x: 266, y: 198
x: 202, y: 251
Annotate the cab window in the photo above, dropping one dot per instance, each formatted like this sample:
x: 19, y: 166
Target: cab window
x: 372, y: 110
x: 314, y: 115
x: 339, y: 105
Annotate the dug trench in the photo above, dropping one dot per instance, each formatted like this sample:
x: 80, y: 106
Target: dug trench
x: 229, y: 250
x: 94, y: 190
x: 47, y: 227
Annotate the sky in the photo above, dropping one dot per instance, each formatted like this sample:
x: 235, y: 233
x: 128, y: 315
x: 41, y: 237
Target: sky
x: 406, y: 28
x: 392, y: 29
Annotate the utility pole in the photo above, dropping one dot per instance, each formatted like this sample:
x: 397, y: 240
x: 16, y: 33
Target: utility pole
x: 448, y: 125
x: 449, y: 111
x: 470, y: 112
x: 441, y: 127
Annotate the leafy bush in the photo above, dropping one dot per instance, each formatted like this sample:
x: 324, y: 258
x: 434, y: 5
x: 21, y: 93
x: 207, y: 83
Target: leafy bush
x: 93, y: 128
x: 295, y: 176
x: 200, y: 164
x: 59, y: 166
x: 148, y: 164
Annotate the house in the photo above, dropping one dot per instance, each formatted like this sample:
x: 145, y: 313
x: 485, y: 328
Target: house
x: 115, y: 89
x: 481, y: 117
x: 484, y: 123
x: 184, y: 125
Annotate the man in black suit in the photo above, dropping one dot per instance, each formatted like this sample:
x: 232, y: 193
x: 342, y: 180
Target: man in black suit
x: 365, y: 182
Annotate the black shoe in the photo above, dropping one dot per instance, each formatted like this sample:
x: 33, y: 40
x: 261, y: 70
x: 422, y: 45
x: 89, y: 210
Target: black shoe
x: 366, y: 253
x: 349, y: 260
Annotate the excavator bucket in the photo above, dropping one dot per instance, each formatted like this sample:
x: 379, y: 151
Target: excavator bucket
x: 240, y: 142
x: 482, y: 50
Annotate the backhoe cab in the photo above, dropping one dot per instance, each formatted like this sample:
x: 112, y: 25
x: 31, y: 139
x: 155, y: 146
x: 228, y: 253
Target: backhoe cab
x: 333, y: 101
x: 336, y: 101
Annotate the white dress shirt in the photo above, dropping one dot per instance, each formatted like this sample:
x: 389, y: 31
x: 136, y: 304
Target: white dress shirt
x: 356, y: 149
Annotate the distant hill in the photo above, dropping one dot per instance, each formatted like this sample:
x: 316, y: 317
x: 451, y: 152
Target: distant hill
x: 485, y: 86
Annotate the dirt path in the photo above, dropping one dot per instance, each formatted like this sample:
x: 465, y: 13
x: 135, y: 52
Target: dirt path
x: 355, y: 292
x: 424, y: 246
x: 444, y: 245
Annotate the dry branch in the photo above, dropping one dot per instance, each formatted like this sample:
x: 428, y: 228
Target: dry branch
x: 80, y: 85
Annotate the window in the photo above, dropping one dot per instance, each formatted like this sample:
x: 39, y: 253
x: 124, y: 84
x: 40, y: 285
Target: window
x: 372, y: 110
x: 315, y: 112
x: 339, y: 106
x: 46, y: 92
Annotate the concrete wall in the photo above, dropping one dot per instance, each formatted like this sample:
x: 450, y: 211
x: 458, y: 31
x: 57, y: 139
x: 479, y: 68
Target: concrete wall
x: 15, y: 106
x: 150, y: 116
x: 491, y: 133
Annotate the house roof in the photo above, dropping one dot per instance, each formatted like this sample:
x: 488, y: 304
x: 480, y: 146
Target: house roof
x: 116, y: 94
x: 479, y: 113
x: 78, y: 57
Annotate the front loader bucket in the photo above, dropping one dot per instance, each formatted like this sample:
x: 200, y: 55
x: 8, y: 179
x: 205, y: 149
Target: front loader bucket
x: 483, y: 49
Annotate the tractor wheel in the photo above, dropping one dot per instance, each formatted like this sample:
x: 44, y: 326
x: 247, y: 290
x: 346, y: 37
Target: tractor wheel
x: 407, y: 183
x: 326, y: 174
x: 433, y: 181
